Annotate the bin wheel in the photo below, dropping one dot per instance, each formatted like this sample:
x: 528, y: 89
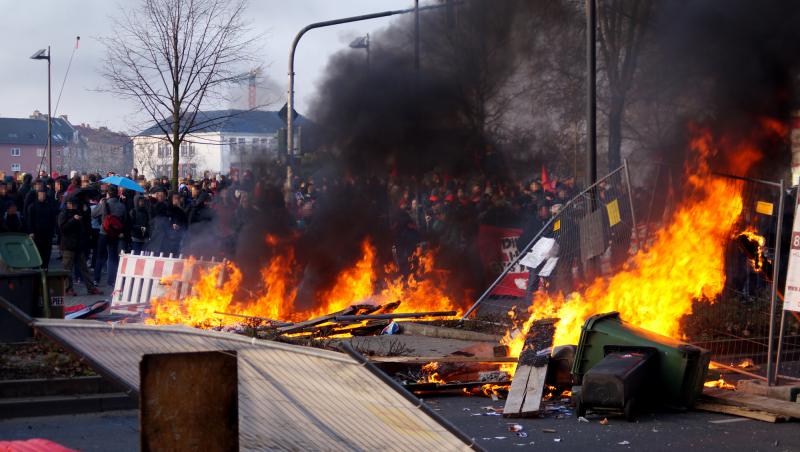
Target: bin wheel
x: 630, y: 414
x: 580, y: 408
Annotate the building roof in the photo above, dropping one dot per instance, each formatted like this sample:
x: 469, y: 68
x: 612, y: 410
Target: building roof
x: 34, y: 131
x: 102, y: 135
x: 233, y: 121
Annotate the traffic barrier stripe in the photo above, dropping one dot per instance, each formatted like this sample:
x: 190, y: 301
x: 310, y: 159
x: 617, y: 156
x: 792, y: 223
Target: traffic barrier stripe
x: 140, y: 278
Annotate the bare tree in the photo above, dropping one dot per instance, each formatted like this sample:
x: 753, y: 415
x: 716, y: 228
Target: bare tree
x: 621, y: 29
x: 173, y: 56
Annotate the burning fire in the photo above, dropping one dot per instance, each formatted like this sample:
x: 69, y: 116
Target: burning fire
x: 430, y: 373
x: 721, y: 383
x: 218, y: 290
x: 753, y: 245
x: 656, y: 286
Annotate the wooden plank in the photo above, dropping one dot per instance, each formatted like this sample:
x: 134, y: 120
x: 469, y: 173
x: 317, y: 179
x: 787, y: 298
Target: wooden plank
x: 753, y: 402
x: 189, y: 401
x: 516, y: 393
x: 441, y: 359
x: 419, y: 329
x: 525, y: 394
x: 738, y: 411
x: 300, y: 326
x: 394, y: 315
x: 534, y: 390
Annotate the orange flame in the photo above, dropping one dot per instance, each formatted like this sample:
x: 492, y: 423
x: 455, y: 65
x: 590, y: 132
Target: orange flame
x: 656, y: 286
x: 721, y: 383
x: 359, y: 284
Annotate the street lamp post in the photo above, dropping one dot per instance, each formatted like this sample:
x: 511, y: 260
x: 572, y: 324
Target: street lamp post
x: 293, y: 48
x: 40, y: 55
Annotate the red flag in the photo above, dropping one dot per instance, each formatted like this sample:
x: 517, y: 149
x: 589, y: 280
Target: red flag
x: 545, y: 179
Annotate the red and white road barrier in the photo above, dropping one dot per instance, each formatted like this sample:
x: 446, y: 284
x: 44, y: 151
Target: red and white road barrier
x: 143, y: 277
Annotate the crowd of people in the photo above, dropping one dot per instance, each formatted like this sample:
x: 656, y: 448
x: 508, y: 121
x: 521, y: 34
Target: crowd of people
x: 92, y: 221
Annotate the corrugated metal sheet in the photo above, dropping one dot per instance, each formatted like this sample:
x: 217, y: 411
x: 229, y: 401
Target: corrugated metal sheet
x: 290, y: 397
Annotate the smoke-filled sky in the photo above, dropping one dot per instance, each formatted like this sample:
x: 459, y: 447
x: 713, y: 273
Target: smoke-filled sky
x: 33, y: 24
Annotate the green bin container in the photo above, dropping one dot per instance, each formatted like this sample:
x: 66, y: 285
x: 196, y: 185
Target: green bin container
x: 19, y: 289
x: 17, y: 251
x: 681, y: 367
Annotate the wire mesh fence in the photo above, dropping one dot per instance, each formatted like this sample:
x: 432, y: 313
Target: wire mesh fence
x: 591, y: 236
x: 596, y: 232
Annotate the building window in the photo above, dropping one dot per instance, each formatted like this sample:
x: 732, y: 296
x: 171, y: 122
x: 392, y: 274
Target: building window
x: 187, y: 149
x: 15, y: 152
x: 232, y: 142
x: 15, y: 167
x: 40, y: 152
x: 242, y: 141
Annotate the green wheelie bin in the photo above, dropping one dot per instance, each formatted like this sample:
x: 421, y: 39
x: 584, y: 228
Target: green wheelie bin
x: 681, y: 368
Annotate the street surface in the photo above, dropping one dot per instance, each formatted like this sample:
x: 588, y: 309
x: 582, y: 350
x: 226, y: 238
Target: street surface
x: 118, y: 431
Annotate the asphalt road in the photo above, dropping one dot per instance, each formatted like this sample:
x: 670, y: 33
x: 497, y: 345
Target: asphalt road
x: 691, y: 431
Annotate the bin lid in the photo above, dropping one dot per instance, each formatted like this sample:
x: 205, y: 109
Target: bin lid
x: 17, y: 250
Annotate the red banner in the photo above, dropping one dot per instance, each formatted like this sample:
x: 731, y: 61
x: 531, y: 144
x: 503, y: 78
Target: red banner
x: 498, y: 247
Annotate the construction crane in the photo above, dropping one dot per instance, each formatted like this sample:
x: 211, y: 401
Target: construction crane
x: 249, y: 77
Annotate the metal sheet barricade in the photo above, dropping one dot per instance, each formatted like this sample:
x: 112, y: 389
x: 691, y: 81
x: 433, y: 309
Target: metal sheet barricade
x: 143, y: 277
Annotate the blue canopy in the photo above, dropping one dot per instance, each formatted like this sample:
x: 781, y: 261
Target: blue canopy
x: 123, y: 182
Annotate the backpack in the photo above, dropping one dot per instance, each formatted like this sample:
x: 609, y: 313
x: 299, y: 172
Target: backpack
x: 112, y: 224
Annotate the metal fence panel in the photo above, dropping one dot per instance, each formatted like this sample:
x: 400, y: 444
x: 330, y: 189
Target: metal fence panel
x: 290, y: 397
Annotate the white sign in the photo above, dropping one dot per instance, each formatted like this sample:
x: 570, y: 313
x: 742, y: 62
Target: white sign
x: 545, y: 247
x: 791, y: 301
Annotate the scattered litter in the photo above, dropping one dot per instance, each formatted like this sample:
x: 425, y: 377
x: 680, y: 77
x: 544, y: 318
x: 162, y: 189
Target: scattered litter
x: 604, y: 421
x: 728, y: 421
x: 392, y: 328
x: 491, y: 414
x: 548, y: 430
x: 515, y: 428
x: 557, y: 440
x: 624, y: 443
x: 465, y: 409
x: 583, y: 419
x: 522, y: 434
x: 655, y: 430
x: 499, y: 437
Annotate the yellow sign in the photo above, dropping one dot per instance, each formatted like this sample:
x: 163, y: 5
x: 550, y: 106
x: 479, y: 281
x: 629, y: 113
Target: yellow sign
x: 557, y: 225
x: 764, y: 208
x: 613, y: 213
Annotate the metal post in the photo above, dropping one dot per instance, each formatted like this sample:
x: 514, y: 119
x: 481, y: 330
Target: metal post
x: 416, y: 36
x: 293, y: 48
x: 783, y: 311
x: 367, y: 52
x: 591, y: 93
x: 630, y: 200
x: 771, y: 373
x: 49, y: 119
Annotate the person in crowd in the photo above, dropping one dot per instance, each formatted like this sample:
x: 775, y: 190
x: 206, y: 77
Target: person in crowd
x: 113, y: 217
x: 40, y: 221
x: 12, y: 220
x: 140, y: 225
x: 73, y: 233
x: 160, y: 224
x: 178, y: 223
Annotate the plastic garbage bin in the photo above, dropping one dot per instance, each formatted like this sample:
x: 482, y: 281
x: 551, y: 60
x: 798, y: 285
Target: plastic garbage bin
x: 57, y: 282
x: 681, y: 368
x: 17, y: 251
x: 19, y: 288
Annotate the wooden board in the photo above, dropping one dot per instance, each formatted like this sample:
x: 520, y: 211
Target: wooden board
x: 440, y: 359
x: 525, y: 394
x: 421, y: 329
x: 189, y: 401
x: 300, y: 326
x: 753, y: 402
x: 739, y: 411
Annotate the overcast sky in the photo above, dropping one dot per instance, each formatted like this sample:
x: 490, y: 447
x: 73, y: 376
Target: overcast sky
x: 29, y: 25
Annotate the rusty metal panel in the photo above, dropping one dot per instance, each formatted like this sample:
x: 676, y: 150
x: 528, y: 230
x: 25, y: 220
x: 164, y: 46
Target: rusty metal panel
x: 290, y: 397
x: 189, y: 402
